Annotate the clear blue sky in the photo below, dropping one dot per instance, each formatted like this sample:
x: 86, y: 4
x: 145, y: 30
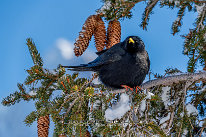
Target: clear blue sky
x: 49, y: 20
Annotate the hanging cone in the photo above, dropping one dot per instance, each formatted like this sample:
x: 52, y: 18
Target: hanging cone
x: 100, y: 34
x: 113, y: 33
x: 43, y: 126
x: 85, y: 35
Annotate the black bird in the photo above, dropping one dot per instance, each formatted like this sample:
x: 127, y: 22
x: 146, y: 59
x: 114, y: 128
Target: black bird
x: 125, y: 63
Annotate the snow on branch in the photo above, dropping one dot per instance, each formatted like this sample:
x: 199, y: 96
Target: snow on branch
x: 166, y: 81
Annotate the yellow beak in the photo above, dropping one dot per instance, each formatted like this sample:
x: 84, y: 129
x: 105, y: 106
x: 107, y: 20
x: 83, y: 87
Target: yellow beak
x: 131, y: 40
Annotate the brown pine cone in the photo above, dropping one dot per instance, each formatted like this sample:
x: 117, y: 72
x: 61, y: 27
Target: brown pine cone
x: 43, y: 126
x: 100, y: 34
x: 85, y: 35
x: 113, y: 33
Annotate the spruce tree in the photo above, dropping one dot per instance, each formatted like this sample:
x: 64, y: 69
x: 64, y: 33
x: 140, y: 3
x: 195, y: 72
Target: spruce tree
x: 170, y: 104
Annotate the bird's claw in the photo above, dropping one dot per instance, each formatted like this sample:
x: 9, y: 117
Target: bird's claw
x: 137, y: 88
x: 127, y: 87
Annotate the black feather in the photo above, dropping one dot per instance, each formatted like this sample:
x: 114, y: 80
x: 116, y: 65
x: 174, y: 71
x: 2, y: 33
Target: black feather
x: 101, y: 52
x: 125, y: 63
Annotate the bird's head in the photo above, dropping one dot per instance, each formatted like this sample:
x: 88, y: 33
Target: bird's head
x: 134, y: 44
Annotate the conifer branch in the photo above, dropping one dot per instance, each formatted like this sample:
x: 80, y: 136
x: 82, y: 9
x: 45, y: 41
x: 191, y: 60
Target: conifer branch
x: 152, y: 4
x: 34, y: 53
x: 71, y: 105
x: 202, y: 16
x: 172, y: 115
x: 174, y: 79
x: 76, y: 93
x: 67, y: 98
x: 89, y: 81
x: 145, y: 19
x: 201, y: 131
x: 177, y: 23
x: 117, y: 9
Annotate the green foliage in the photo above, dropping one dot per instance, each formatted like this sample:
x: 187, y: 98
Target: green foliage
x: 194, y: 48
x: 17, y: 96
x: 66, y: 110
x: 147, y: 12
x: 80, y: 107
x: 194, y: 41
x: 172, y: 71
x: 31, y: 118
x: 199, y: 98
x: 34, y: 53
x: 116, y: 9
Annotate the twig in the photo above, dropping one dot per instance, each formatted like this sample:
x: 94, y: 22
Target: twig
x: 147, y: 10
x: 188, y: 83
x: 202, y: 18
x: 172, y: 115
x: 88, y: 82
x: 66, y: 100
x: 92, y: 105
x: 191, y: 124
x: 152, y: 4
x: 71, y: 105
x: 68, y: 110
x: 202, y: 129
x: 144, y: 129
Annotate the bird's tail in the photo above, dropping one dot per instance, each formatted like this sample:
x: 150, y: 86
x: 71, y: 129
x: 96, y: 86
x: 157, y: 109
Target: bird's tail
x: 82, y: 67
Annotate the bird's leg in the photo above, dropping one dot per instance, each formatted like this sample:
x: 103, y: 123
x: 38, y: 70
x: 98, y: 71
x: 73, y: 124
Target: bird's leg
x: 137, y: 87
x: 127, y: 87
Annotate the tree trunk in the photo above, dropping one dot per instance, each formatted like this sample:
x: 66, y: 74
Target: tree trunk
x: 43, y: 126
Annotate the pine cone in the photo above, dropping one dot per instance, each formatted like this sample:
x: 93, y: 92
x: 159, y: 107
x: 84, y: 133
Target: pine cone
x: 85, y: 35
x: 113, y: 33
x: 100, y: 34
x: 43, y: 126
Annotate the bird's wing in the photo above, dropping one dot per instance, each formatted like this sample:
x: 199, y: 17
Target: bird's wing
x: 101, y: 52
x: 109, y: 56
